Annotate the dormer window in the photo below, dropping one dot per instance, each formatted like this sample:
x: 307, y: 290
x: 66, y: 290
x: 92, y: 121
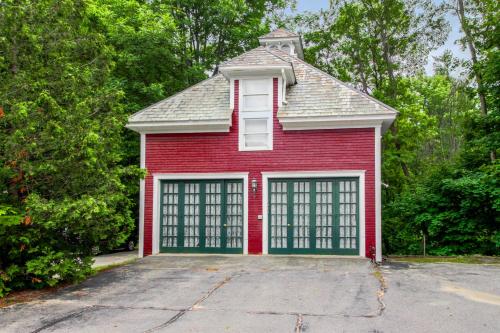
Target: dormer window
x: 256, y: 114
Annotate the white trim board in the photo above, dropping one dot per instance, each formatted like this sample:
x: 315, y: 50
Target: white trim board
x: 378, y: 195
x: 336, y: 122
x: 188, y: 176
x: 142, y: 189
x: 315, y: 174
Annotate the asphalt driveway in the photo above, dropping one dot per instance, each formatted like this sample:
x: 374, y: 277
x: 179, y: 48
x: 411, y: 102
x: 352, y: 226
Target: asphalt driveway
x: 269, y: 294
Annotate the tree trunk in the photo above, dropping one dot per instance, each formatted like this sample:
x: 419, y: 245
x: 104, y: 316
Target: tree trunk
x: 393, y: 94
x: 473, y: 53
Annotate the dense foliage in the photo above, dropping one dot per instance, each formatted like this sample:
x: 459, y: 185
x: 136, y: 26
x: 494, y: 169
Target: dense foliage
x: 71, y: 72
x: 440, y: 171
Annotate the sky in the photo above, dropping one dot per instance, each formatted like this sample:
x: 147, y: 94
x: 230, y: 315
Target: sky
x: 315, y: 5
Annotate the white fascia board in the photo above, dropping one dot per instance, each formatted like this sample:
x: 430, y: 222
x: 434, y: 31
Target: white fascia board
x: 336, y: 122
x: 153, y: 127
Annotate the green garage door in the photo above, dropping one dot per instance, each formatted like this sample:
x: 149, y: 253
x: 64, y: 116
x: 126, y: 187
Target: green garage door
x: 313, y: 216
x: 202, y: 216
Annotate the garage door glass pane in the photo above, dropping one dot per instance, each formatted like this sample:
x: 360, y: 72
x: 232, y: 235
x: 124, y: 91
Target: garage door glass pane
x: 234, y: 215
x: 324, y: 214
x: 212, y: 214
x: 170, y: 210
x: 278, y: 211
x: 348, y: 208
x: 301, y: 214
x: 191, y: 215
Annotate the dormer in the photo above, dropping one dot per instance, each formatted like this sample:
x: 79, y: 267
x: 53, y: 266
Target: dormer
x: 283, y: 40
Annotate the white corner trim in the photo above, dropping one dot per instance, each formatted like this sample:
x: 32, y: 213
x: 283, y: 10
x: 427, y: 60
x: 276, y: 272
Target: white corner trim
x: 315, y: 174
x: 142, y: 187
x: 231, y: 94
x: 281, y: 83
x: 158, y: 177
x: 378, y: 195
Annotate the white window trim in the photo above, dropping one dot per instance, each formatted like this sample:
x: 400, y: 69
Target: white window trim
x: 255, y: 114
x: 158, y: 177
x: 360, y: 174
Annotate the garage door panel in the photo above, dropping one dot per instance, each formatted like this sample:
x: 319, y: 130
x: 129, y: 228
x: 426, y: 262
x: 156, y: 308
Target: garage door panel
x: 301, y: 215
x: 213, y: 215
x: 192, y: 215
x: 170, y: 213
x: 234, y: 215
x: 279, y: 215
x: 324, y: 215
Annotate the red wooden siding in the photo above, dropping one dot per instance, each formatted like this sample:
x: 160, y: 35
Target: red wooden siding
x: 313, y: 150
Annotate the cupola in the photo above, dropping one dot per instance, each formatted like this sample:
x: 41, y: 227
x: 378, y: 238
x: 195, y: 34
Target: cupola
x: 283, y: 40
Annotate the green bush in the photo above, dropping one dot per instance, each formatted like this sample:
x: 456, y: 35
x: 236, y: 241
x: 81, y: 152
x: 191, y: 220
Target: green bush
x: 53, y: 243
x: 457, y: 211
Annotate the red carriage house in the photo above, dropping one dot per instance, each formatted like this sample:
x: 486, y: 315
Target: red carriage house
x: 270, y: 156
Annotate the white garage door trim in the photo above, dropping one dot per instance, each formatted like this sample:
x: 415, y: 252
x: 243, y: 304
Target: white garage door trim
x: 157, y: 178
x: 315, y: 174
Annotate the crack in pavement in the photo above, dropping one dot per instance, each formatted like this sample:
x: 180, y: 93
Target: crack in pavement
x: 380, y: 293
x: 63, y: 318
x: 298, y: 324
x: 198, y: 302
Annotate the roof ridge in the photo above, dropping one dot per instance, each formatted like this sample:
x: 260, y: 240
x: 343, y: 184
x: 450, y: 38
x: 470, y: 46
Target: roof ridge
x: 176, y: 94
x: 277, y: 55
x: 271, y: 34
x: 373, y: 99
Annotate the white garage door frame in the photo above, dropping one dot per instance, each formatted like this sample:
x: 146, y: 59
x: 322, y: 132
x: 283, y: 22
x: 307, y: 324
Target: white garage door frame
x: 314, y: 174
x: 157, y: 178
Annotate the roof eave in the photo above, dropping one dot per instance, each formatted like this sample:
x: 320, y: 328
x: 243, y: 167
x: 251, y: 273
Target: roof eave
x: 188, y: 126
x: 336, y: 122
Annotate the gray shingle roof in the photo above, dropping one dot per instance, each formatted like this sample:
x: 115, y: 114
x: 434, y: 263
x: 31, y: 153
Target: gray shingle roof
x: 207, y: 100
x: 256, y: 57
x: 315, y: 94
x: 279, y: 33
x: 319, y: 94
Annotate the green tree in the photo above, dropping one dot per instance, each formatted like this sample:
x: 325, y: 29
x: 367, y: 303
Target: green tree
x: 60, y: 137
x: 373, y: 44
x: 209, y: 32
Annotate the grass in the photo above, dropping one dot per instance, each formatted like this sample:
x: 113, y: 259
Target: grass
x: 469, y: 259
x: 111, y: 266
